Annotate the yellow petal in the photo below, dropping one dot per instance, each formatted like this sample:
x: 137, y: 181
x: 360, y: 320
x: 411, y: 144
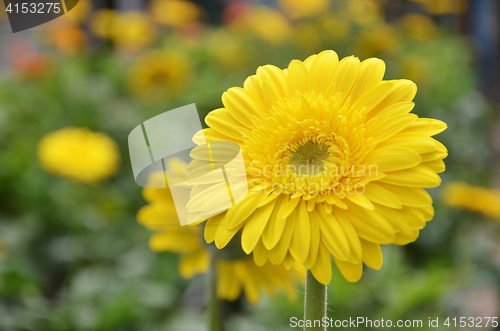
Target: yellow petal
x: 374, y: 96
x: 241, y: 104
x: 333, y: 236
x: 290, y: 207
x: 413, y: 217
x: 371, y: 72
x: 239, y: 213
x: 228, y: 286
x: 372, y: 254
x: 175, y: 240
x: 223, y: 235
x: 417, y: 142
x: 260, y: 254
x: 345, y: 75
x: 320, y: 73
x: 322, y: 269
x: 391, y: 111
x: 351, y: 272
x: 276, y: 78
x: 308, y: 62
x: 194, y: 262
x: 223, y: 122
x: 211, y: 227
x: 392, y: 126
x: 427, y: 126
x: 270, y: 95
x: 419, y: 176
x: 377, y: 193
x: 301, y: 240
x: 360, y: 199
x: 297, y: 77
x: 252, y: 85
x: 315, y: 239
x: 370, y: 225
x: 276, y: 225
x: 409, y: 196
x: 203, y: 136
x: 403, y: 90
x: 278, y: 253
x: 393, y: 159
x: 351, y: 235
x: 436, y: 165
x: 254, y: 227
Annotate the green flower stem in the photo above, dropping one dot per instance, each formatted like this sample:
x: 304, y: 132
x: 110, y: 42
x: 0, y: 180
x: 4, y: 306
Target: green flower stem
x: 314, y: 303
x: 215, y: 311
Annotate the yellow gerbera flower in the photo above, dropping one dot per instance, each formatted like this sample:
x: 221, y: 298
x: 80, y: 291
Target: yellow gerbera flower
x: 419, y: 27
x: 336, y: 164
x: 101, y: 23
x: 298, y: 9
x: 268, y: 24
x: 475, y: 198
x: 160, y: 74
x: 175, y: 12
x: 236, y: 272
x: 78, y: 153
x: 132, y: 31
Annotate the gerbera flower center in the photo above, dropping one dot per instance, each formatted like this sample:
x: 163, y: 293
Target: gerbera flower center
x: 160, y: 77
x: 308, y: 159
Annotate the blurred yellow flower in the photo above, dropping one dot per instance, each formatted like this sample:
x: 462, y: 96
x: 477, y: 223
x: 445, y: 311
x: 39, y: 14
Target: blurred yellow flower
x: 335, y: 26
x: 475, y: 198
x: 132, y: 30
x: 336, y: 164
x: 364, y: 12
x: 442, y: 7
x: 102, y: 22
x: 298, y: 9
x: 377, y: 39
x: 419, y: 27
x: 80, y: 154
x: 175, y: 12
x: 3, y: 13
x: 236, y: 272
x: 229, y: 50
x: 160, y: 74
x: 79, y: 13
x: 266, y: 23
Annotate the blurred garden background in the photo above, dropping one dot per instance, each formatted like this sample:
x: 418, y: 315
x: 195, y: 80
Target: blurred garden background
x: 74, y: 257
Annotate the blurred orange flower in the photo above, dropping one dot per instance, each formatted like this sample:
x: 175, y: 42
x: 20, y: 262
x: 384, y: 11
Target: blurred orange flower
x: 68, y: 38
x: 27, y: 61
